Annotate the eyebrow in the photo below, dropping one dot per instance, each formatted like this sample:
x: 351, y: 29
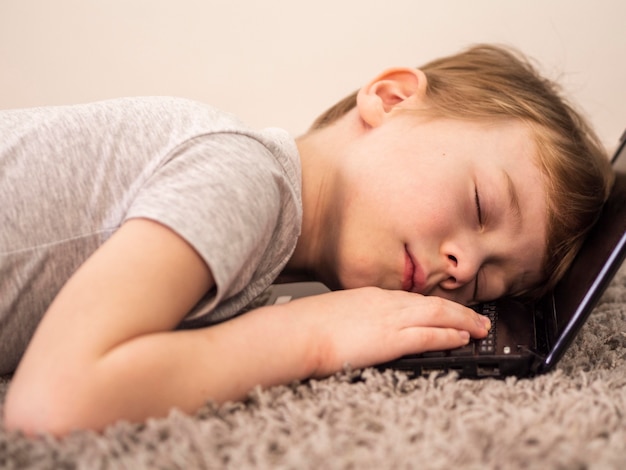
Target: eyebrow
x: 513, y: 198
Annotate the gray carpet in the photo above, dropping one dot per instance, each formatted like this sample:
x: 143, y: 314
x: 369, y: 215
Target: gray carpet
x: 573, y: 418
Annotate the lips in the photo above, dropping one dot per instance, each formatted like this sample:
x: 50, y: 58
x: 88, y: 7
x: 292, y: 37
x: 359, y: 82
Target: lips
x: 414, y: 279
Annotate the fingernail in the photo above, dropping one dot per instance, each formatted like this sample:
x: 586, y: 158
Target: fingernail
x: 465, y: 336
x: 484, y: 322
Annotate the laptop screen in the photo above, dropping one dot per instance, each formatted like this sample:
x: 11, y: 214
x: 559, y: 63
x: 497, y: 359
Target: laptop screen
x: 619, y: 160
x: 597, y: 262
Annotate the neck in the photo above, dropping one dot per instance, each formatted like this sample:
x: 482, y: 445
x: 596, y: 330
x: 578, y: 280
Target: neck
x: 315, y: 188
x: 321, y: 153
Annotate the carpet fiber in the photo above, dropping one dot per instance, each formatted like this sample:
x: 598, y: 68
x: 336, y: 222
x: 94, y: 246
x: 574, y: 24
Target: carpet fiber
x: 573, y: 418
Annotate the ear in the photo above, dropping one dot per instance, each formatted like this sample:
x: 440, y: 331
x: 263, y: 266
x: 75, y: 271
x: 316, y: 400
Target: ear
x: 397, y: 87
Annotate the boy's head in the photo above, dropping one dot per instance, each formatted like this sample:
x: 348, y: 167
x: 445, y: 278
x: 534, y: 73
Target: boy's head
x: 488, y: 83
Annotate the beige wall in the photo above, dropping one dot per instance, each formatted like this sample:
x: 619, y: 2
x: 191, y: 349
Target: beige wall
x: 281, y: 62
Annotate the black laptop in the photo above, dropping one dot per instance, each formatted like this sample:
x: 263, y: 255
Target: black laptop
x: 526, y: 339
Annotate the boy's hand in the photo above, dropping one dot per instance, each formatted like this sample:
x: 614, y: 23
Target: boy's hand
x: 369, y: 326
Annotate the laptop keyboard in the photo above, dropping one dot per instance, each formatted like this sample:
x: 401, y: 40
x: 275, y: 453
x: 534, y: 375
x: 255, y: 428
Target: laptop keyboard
x: 487, y: 345
x: 483, y: 347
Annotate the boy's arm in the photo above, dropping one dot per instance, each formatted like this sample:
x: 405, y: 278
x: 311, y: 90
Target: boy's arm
x: 105, y: 350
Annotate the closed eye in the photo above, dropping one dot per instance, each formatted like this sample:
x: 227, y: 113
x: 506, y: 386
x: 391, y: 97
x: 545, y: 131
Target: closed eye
x: 478, y: 210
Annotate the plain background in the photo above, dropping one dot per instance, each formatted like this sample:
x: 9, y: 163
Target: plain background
x: 282, y: 62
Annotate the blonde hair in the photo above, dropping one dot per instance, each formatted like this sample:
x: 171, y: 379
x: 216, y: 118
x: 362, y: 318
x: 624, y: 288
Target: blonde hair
x: 494, y: 82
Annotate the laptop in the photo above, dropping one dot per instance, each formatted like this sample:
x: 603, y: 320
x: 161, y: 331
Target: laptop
x: 525, y: 339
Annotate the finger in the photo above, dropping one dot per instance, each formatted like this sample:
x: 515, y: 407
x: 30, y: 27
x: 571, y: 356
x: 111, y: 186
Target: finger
x: 419, y: 339
x: 443, y: 313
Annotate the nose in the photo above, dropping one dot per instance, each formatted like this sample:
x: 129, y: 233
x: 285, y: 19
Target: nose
x: 461, y: 268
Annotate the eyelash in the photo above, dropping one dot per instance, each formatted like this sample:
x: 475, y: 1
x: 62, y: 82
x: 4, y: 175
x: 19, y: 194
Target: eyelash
x: 480, y: 214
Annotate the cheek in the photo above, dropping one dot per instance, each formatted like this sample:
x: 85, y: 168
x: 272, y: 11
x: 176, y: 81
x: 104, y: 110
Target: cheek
x: 438, y: 210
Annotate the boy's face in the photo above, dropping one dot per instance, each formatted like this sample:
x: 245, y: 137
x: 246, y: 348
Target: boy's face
x: 441, y: 207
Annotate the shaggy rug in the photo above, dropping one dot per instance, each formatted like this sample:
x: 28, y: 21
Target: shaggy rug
x: 572, y: 418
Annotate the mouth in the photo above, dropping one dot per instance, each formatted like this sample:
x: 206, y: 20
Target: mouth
x: 414, y: 279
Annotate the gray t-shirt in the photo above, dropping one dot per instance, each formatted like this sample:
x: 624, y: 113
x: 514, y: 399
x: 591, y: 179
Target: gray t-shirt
x: 71, y: 175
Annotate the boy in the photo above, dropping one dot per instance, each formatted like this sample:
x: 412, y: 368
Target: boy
x: 126, y: 223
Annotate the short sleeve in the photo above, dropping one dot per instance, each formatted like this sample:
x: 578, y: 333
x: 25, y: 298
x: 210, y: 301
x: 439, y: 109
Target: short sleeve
x: 225, y: 195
